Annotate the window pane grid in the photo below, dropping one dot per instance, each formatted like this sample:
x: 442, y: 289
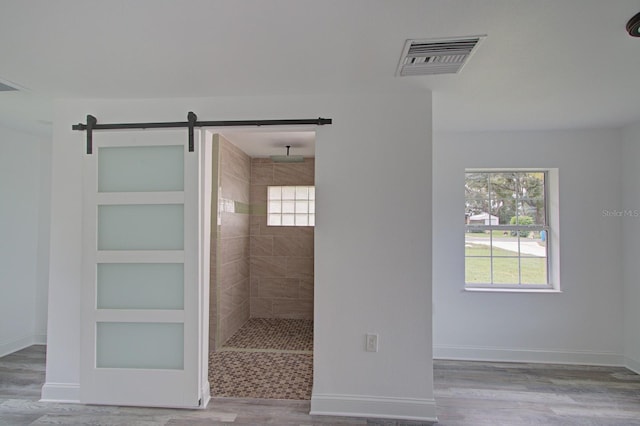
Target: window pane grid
x: 506, y: 240
x: 291, y: 206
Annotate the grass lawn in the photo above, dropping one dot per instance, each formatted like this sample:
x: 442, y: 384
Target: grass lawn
x: 505, y: 266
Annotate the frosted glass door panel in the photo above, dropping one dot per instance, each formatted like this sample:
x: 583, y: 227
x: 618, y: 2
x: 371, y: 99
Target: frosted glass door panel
x: 140, y: 345
x: 141, y: 227
x: 141, y: 169
x: 140, y: 286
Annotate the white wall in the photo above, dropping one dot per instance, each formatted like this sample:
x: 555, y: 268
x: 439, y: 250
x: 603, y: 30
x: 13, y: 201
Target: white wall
x: 631, y: 244
x: 372, y: 246
x: 24, y: 228
x: 583, y: 324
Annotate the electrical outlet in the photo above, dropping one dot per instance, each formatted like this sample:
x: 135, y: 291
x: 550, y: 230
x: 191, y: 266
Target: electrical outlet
x: 372, y: 343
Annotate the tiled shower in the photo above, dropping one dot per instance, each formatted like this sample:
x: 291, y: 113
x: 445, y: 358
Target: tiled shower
x: 257, y: 271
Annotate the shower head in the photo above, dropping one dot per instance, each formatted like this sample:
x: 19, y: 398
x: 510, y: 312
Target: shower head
x: 287, y: 158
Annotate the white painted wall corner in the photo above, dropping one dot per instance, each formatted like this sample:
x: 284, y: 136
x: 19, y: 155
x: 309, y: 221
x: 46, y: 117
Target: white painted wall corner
x: 9, y: 347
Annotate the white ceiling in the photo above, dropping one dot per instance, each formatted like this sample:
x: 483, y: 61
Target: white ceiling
x: 545, y: 64
x: 265, y: 143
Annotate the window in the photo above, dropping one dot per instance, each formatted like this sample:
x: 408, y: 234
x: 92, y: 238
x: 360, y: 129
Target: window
x: 508, y: 237
x: 291, y: 205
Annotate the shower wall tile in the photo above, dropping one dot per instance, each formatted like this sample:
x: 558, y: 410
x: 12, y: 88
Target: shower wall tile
x: 281, y: 231
x: 300, y: 267
x: 230, y: 288
x: 261, y: 308
x: 236, y: 320
x: 281, y: 268
x: 259, y: 198
x: 234, y: 225
x: 299, y: 246
x: 306, y: 289
x: 233, y: 249
x: 261, y: 173
x: 261, y: 160
x: 254, y: 285
x: 255, y: 223
x: 298, y: 309
x: 240, y: 292
x: 236, y: 162
x: 213, y: 314
x: 268, y: 266
x: 226, y: 303
x: 272, y: 288
x: 234, y: 188
x: 294, y: 173
x: 234, y: 272
x: 261, y: 245
x: 213, y: 294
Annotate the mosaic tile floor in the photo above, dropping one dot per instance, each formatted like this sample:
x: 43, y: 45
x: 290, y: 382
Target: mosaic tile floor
x: 274, y: 333
x: 266, y: 375
x: 266, y: 358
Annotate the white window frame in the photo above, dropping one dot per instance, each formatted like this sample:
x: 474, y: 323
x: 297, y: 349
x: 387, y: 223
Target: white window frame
x: 551, y: 227
x: 276, y: 206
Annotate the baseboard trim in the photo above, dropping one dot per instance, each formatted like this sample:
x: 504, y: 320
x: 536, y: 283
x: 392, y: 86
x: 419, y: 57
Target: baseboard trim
x: 39, y: 339
x: 373, y: 407
x: 206, y: 395
x: 61, y: 392
x: 10, y: 347
x: 469, y: 353
x: 632, y: 364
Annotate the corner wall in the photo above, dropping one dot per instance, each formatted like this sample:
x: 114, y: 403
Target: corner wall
x: 631, y: 244
x: 583, y: 323
x: 24, y: 238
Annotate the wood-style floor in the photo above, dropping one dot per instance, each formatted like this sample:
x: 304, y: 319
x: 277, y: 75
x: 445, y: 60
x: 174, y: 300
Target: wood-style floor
x: 487, y: 393
x: 467, y: 393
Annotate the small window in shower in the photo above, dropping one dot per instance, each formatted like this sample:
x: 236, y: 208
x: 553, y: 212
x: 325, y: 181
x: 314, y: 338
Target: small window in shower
x: 291, y: 206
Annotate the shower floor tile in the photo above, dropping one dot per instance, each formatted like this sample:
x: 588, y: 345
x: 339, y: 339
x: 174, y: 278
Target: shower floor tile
x: 267, y: 358
x: 274, y: 333
x: 267, y: 375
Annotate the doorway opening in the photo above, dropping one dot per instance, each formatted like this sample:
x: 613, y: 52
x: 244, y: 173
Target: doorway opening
x: 262, y: 271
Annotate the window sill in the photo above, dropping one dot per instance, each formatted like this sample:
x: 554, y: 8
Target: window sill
x: 510, y: 290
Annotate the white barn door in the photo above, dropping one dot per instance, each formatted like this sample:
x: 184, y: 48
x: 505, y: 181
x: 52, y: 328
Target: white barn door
x: 140, y: 330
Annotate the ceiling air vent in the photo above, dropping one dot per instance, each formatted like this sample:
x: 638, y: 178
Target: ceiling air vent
x: 436, y: 56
